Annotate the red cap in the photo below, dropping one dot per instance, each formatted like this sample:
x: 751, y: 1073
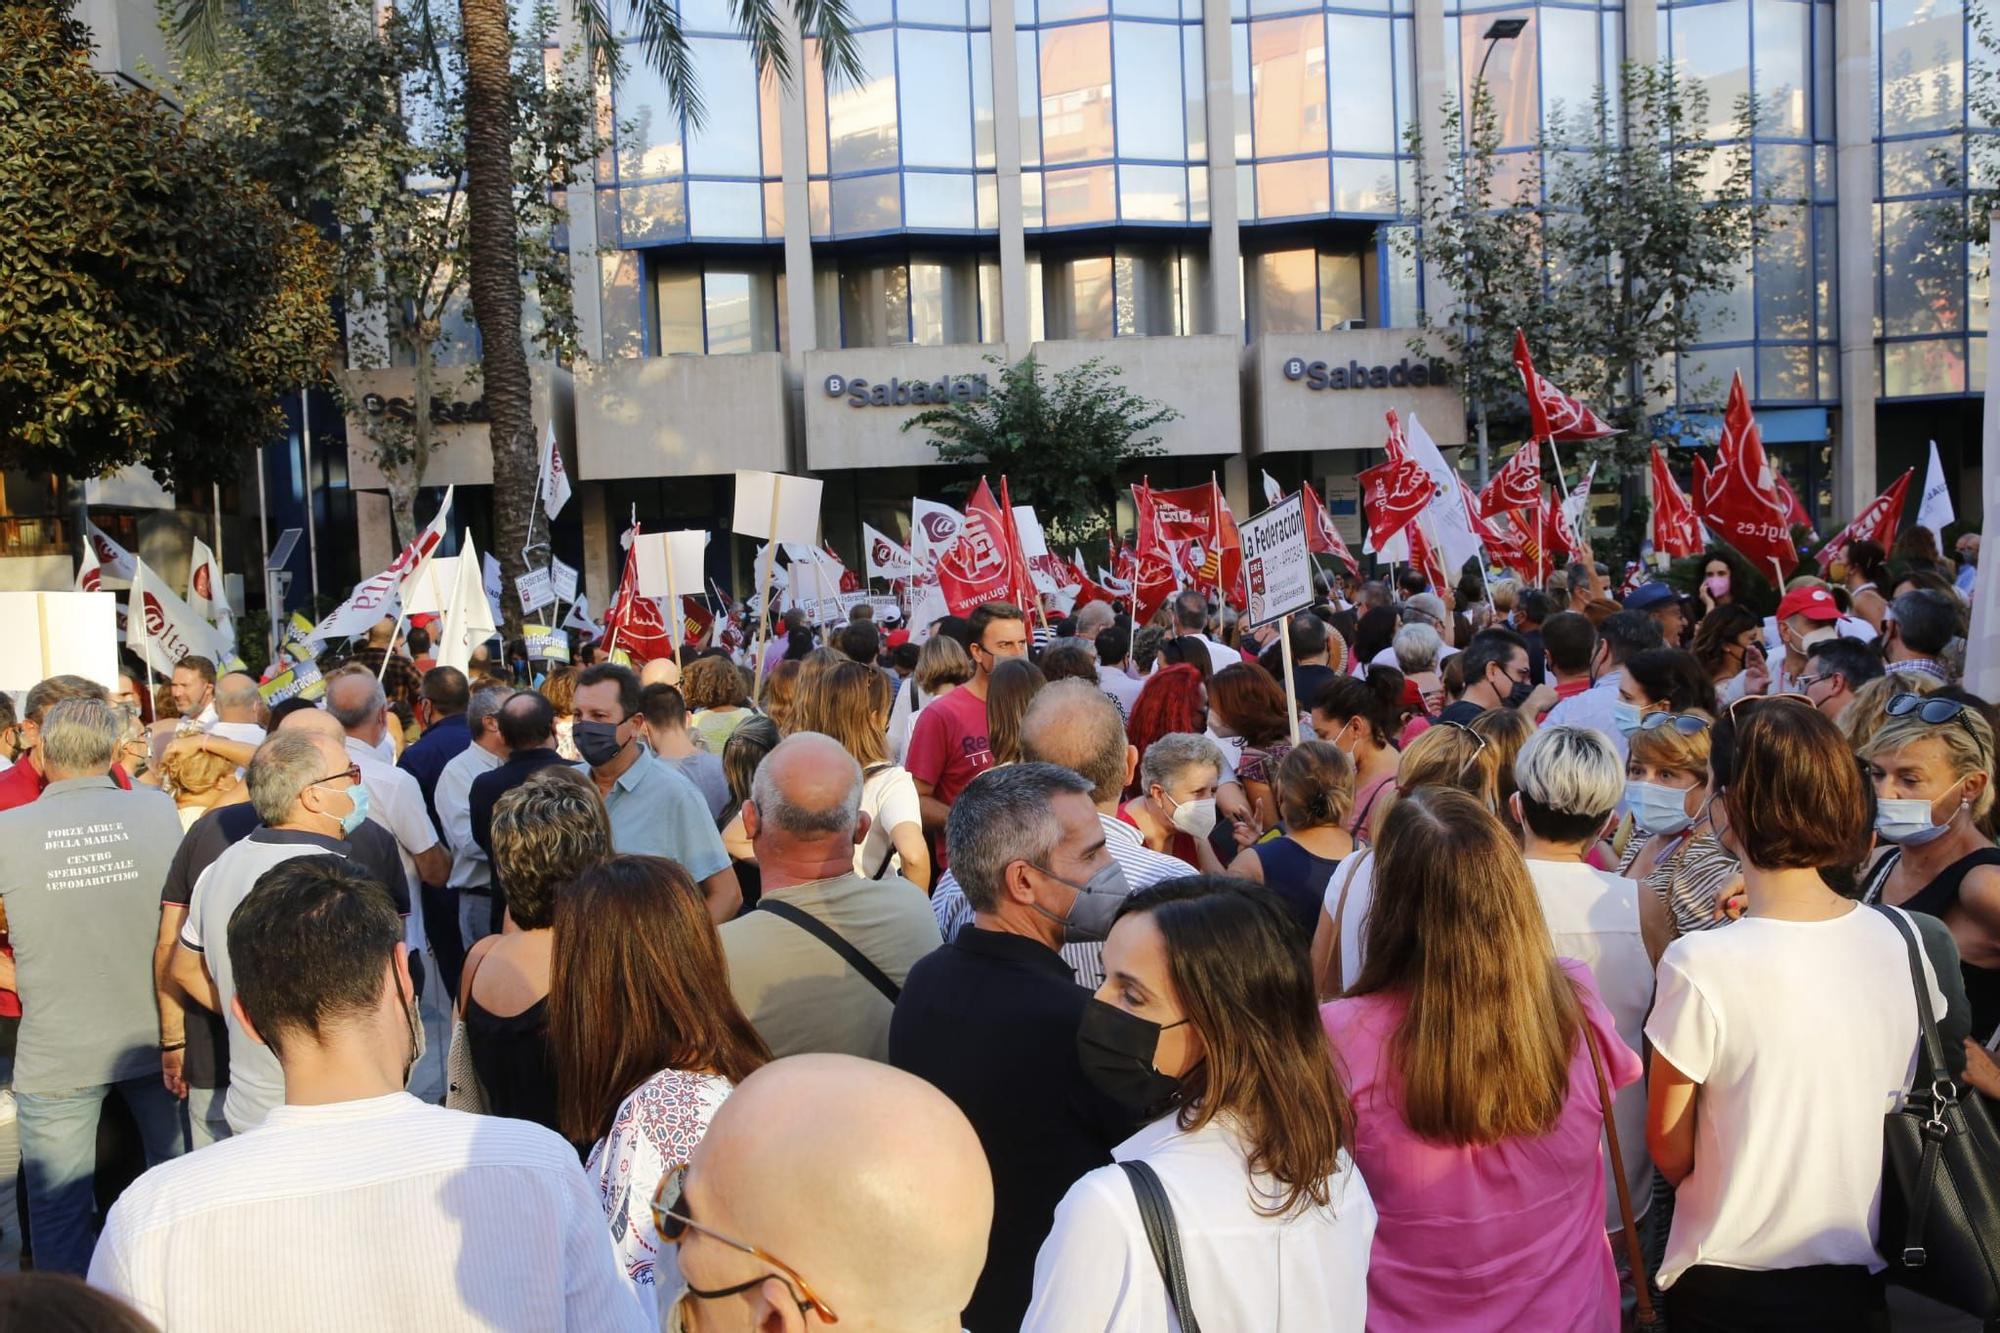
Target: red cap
x: 1812, y: 603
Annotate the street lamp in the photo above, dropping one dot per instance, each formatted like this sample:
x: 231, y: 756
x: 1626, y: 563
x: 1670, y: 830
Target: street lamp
x: 1500, y: 30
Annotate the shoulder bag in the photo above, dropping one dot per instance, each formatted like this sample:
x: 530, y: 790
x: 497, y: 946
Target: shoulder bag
x: 1156, y: 1213
x: 1336, y: 980
x: 1940, y: 1230
x: 833, y: 940
x: 1642, y: 1286
x: 462, y: 1087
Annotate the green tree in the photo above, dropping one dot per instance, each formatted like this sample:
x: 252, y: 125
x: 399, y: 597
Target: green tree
x: 1967, y: 165
x: 1058, y: 440
x: 358, y: 119
x: 154, y: 300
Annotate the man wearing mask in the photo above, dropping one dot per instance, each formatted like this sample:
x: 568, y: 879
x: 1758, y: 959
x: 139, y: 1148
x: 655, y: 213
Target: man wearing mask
x: 1496, y: 676
x: 992, y: 1018
x: 1806, y: 617
x: 1835, y: 669
x: 654, y: 811
x: 1921, y: 624
x: 948, y: 745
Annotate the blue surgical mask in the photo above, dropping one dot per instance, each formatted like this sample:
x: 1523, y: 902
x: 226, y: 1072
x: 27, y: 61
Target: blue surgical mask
x: 1908, y: 823
x: 1625, y: 716
x: 1658, y: 808
x: 354, y: 818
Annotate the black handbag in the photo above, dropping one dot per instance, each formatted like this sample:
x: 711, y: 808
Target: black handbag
x: 1156, y: 1212
x: 1940, y: 1176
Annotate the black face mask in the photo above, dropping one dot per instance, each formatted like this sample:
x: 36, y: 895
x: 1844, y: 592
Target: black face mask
x: 597, y: 742
x: 1116, y: 1050
x: 1519, y: 694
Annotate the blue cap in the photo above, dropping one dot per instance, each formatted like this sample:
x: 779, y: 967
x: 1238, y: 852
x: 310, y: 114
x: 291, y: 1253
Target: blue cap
x: 1648, y: 596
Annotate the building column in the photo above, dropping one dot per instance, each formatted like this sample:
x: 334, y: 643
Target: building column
x: 1225, y: 242
x: 1435, y: 82
x: 1015, y: 324
x: 597, y: 576
x: 1642, y: 33
x: 1853, y: 90
x: 801, y: 294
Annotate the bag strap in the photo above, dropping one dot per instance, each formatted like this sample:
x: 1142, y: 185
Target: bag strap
x: 1943, y: 1093
x: 1641, y: 1287
x: 1156, y: 1213
x: 1339, y: 915
x: 832, y: 939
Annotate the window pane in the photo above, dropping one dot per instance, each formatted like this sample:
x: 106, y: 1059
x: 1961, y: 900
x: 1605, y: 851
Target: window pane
x: 865, y: 203
x: 1076, y: 93
x: 948, y: 12
x: 1288, y: 292
x: 982, y: 99
x: 1291, y: 189
x: 1148, y: 282
x: 1510, y: 73
x: 1712, y: 47
x: 936, y: 93
x: 1922, y: 282
x: 1194, y: 83
x: 1054, y: 11
x: 1364, y: 185
x: 1364, y: 95
x: 1073, y: 198
x: 874, y: 305
x: 1933, y: 366
x: 1239, y: 61
x: 986, y: 201
x: 1147, y: 76
x: 862, y: 118
x: 726, y: 209
x: 1400, y: 270
x: 730, y: 304
x: 1340, y: 290
x: 1782, y: 86
x: 1782, y: 170
x: 1153, y: 194
x: 1027, y: 83
x: 937, y: 202
x: 1090, y: 299
x: 1288, y: 85
x: 1569, y: 71
x: 1784, y: 277
x: 649, y: 131
x: 1785, y: 372
x: 679, y: 293
x: 727, y: 142
x: 944, y: 301
x: 652, y: 213
x: 1923, y: 65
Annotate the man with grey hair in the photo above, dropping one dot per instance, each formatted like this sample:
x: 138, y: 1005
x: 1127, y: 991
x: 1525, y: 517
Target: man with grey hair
x: 25, y: 780
x: 239, y: 709
x: 1093, y: 618
x: 1570, y: 781
x: 990, y: 1019
x: 1075, y: 727
x: 819, y: 965
x: 78, y: 882
x: 1191, y: 619
x: 471, y: 878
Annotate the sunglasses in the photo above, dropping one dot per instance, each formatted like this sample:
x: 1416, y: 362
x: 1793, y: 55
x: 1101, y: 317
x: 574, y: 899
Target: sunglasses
x: 1479, y: 745
x: 1934, y: 711
x: 1752, y: 700
x: 671, y: 1219
x: 1687, y: 724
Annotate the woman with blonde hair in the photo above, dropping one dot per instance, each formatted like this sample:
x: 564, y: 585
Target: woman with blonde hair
x: 1471, y: 1054
x: 1506, y: 730
x: 1684, y: 874
x: 1869, y: 708
x: 942, y: 666
x: 1315, y: 790
x: 559, y: 688
x: 781, y: 686
x: 850, y: 703
x: 198, y: 780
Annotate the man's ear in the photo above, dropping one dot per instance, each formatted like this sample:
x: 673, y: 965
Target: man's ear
x: 1131, y: 765
x: 752, y: 821
x: 406, y: 988
x: 243, y: 1017
x: 861, y: 824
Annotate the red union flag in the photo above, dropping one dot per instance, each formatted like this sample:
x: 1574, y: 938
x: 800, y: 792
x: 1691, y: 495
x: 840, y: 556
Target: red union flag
x: 1676, y: 529
x: 1877, y: 523
x: 1738, y: 498
x: 1393, y: 494
x: 1322, y: 537
x: 632, y: 622
x: 1556, y: 415
x: 1153, y: 576
x: 1517, y: 485
x: 977, y: 567
x: 1186, y: 514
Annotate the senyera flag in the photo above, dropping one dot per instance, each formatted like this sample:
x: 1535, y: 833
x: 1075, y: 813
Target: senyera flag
x: 1738, y: 499
x: 1676, y: 529
x: 1554, y: 414
x: 1517, y: 485
x: 1877, y: 523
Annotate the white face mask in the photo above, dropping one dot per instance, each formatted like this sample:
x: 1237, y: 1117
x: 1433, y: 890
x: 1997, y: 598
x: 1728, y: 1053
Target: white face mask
x: 1910, y: 823
x: 1195, y: 817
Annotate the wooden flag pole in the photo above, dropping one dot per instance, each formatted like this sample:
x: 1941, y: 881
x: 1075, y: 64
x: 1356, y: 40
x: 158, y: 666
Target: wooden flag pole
x: 673, y: 596
x: 764, y: 593
x: 1291, y: 686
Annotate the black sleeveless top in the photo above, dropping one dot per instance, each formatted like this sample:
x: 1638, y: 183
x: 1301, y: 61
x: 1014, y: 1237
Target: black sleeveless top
x: 1982, y: 984
x: 511, y: 1056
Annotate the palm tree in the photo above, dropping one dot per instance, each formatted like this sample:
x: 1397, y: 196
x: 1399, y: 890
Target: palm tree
x: 494, y: 280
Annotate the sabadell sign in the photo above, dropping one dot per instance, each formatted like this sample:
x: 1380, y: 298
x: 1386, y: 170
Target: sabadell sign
x: 894, y: 392
x: 1320, y: 375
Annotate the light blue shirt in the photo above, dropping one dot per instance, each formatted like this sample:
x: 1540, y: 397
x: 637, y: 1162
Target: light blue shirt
x: 1593, y: 709
x: 657, y: 812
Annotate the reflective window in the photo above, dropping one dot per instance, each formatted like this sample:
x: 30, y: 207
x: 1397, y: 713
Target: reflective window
x: 1076, y: 93
x: 1510, y: 73
x: 1570, y: 73
x: 1922, y: 58
x: 717, y: 310
x: 1784, y: 87
x: 866, y: 204
x: 936, y: 202
x: 1364, y: 93
x: 727, y: 143
x: 944, y: 301
x: 1287, y: 292
x: 728, y: 209
x: 1147, y: 78
x: 1288, y: 85
x: 677, y: 293
x: 1153, y: 194
x: 874, y: 305
x: 936, y: 95
x: 861, y: 118
x: 1712, y: 47
x: 1340, y: 291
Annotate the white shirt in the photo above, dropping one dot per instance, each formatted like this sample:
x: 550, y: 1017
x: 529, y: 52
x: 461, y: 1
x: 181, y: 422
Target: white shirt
x: 377, y: 1214
x: 1387, y: 657
x: 1220, y: 655
x: 903, y: 718
x: 1356, y: 875
x: 890, y: 799
x: 1592, y: 708
x: 243, y: 733
x: 1802, y: 1035
x: 1245, y: 1270
x: 453, y: 796
x: 396, y: 802
x: 1123, y: 689
x: 1593, y: 918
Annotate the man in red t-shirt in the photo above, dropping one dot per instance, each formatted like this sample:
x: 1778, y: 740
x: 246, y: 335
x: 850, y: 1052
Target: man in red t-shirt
x: 948, y: 745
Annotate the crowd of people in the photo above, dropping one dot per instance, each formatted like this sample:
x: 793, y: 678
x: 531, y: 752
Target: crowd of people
x: 1527, y: 957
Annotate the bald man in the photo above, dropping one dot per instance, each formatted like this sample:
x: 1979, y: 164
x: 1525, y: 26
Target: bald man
x: 660, y: 671
x: 819, y: 964
x: 865, y: 1184
x: 239, y: 709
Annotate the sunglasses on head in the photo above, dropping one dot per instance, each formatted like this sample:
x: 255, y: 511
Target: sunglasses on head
x: 1479, y: 743
x: 1752, y: 700
x: 1934, y: 711
x: 1687, y: 724
x: 671, y: 1219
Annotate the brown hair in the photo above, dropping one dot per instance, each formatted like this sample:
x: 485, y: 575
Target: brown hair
x: 849, y: 702
x: 1241, y: 976
x: 713, y: 682
x: 59, y: 1303
x: 1251, y: 703
x: 1315, y: 786
x: 942, y: 661
x: 559, y: 688
x: 1869, y: 708
x: 1670, y: 747
x: 638, y: 984
x: 1492, y: 1020
x: 1793, y: 790
x: 544, y: 832
x: 1010, y: 688
x: 1506, y: 730
x: 781, y: 686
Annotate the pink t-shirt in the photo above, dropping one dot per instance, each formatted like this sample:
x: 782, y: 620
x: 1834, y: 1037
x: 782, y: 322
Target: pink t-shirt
x: 1501, y: 1236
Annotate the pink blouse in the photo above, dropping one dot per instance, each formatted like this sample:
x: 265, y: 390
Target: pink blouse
x: 1508, y: 1235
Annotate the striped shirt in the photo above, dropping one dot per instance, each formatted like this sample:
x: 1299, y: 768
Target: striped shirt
x: 1143, y: 868
x: 372, y: 1214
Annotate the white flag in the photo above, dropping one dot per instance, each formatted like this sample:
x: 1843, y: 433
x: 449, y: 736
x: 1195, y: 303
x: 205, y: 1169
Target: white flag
x: 119, y: 564
x: 89, y: 572
x: 1273, y: 492
x: 933, y: 529
x: 1935, y: 512
x: 554, y: 488
x: 468, y: 617
x: 210, y: 601
x: 163, y: 627
x: 1576, y: 504
x: 887, y: 557
x: 1456, y: 539
x: 579, y: 618
x: 378, y: 598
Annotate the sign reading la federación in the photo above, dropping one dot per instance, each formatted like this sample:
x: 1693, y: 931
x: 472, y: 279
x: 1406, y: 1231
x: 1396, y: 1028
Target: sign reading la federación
x: 1277, y: 561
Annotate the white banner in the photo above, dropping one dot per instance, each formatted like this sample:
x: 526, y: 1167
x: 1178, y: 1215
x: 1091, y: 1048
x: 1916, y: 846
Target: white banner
x: 535, y: 590
x: 933, y: 529
x: 670, y: 563
x: 163, y: 627
x: 118, y: 563
x: 564, y: 580
x: 468, y: 618
x: 554, y: 477
x: 1935, y: 512
x: 1277, y: 561
x: 1450, y: 524
x: 775, y: 504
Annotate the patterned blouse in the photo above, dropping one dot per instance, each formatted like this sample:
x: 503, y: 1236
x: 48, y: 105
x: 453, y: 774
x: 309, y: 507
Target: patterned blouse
x: 655, y: 1130
x: 1687, y: 878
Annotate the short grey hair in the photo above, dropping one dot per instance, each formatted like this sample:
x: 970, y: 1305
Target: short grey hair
x: 1174, y: 754
x: 485, y: 704
x: 1094, y: 617
x: 1417, y: 646
x: 351, y: 707
x: 80, y: 736
x: 283, y: 767
x: 1428, y: 605
x: 1004, y: 815
x: 1570, y: 771
x: 777, y: 809
x: 235, y: 690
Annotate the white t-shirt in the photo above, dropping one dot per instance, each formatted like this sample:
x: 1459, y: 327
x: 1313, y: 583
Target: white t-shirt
x: 1802, y: 1035
x: 1353, y: 917
x: 889, y: 796
x: 1593, y: 918
x: 396, y: 802
x: 1123, y: 689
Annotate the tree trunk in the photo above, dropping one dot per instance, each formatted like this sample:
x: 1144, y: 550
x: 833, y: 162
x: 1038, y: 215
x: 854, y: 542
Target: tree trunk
x: 495, y: 280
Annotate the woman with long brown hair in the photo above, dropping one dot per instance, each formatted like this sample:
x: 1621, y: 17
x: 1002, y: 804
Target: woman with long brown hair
x: 648, y: 1040
x: 1013, y: 685
x: 1205, y: 1021
x: 1467, y: 1048
x: 850, y: 702
x: 1246, y: 705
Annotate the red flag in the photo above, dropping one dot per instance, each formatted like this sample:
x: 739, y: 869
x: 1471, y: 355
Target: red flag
x: 1877, y: 523
x: 1676, y: 530
x: 1739, y: 498
x: 1554, y: 414
x: 696, y: 620
x: 978, y: 566
x: 1557, y: 535
x: 1088, y: 589
x: 1511, y: 547
x: 1795, y: 509
x: 1322, y: 537
x: 1153, y: 576
x: 1187, y: 513
x: 633, y: 622
x: 1392, y: 494
x: 1124, y: 565
x: 1019, y: 576
x: 1229, y: 569
x: 849, y: 580
x: 1517, y: 485
x: 1424, y: 556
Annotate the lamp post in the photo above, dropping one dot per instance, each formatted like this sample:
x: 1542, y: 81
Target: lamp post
x: 1500, y: 30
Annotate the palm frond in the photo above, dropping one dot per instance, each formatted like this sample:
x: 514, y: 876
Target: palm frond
x: 838, y: 53
x: 666, y: 47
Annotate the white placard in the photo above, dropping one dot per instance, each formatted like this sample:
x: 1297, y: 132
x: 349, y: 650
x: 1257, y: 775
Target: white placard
x: 796, y: 510
x: 686, y: 550
x: 58, y: 634
x: 535, y: 590
x: 564, y: 579
x: 1277, y: 562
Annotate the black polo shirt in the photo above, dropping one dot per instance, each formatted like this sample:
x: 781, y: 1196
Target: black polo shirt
x: 488, y: 788
x: 990, y: 1019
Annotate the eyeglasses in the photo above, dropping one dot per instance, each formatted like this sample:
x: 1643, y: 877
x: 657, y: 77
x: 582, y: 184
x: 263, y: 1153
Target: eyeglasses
x: 352, y: 773
x: 1687, y: 724
x: 1934, y: 711
x: 670, y: 1218
x: 1750, y: 700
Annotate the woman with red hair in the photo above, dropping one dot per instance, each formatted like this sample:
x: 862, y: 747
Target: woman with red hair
x: 1173, y: 700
